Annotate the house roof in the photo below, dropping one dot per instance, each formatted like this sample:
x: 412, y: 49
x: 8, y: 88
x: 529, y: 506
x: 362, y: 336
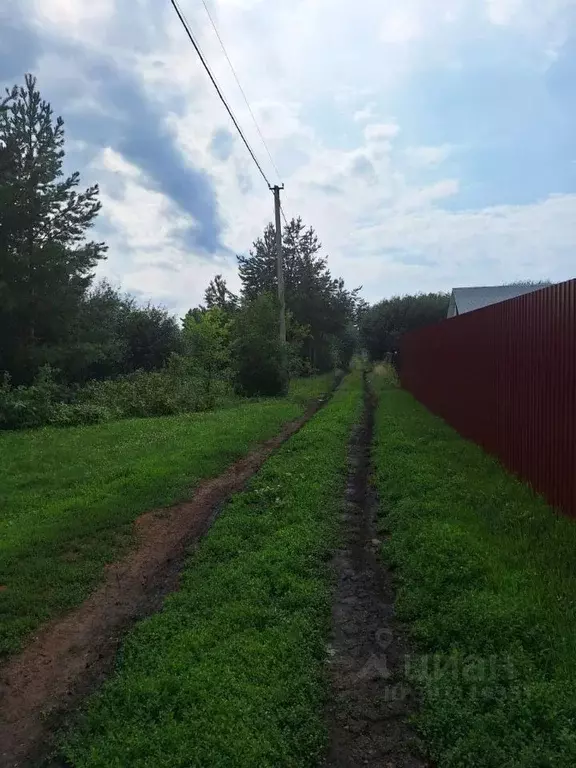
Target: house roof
x: 469, y: 299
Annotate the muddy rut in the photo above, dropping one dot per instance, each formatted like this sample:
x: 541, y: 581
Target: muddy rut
x: 370, y: 700
x: 71, y: 656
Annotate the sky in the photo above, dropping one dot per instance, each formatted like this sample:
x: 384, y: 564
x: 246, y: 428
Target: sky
x: 430, y: 143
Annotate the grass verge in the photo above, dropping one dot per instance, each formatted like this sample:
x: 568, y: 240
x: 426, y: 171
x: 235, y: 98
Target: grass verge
x: 230, y: 673
x: 486, y: 582
x: 68, y: 496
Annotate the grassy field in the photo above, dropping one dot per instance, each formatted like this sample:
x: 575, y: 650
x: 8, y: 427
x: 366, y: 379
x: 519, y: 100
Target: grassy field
x: 68, y: 496
x: 230, y: 673
x: 487, y: 579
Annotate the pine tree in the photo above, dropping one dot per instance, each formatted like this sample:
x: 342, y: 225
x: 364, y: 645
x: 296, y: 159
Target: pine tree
x: 46, y: 265
x: 218, y: 295
x: 314, y: 298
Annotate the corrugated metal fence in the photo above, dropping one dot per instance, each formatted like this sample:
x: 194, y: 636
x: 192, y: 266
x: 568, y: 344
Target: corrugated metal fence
x: 505, y: 377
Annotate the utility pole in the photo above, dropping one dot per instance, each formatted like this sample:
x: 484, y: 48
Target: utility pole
x: 279, y: 268
x: 280, y: 274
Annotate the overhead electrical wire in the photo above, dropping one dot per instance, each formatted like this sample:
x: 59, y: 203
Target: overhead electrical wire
x: 217, y: 87
x: 215, y: 28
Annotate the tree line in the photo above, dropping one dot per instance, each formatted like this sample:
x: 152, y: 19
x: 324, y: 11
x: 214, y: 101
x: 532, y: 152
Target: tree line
x: 73, y: 350
x: 383, y: 325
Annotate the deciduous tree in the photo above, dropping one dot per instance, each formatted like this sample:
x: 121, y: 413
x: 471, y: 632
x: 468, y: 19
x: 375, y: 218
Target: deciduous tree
x: 383, y: 325
x: 207, y: 343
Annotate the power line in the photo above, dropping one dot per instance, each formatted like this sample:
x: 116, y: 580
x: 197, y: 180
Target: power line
x: 240, y: 86
x: 216, y: 86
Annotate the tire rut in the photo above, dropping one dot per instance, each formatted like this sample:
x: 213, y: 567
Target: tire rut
x: 370, y: 700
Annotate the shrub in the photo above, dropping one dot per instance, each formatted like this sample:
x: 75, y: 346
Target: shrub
x: 258, y: 365
x: 75, y: 414
x: 33, y: 406
x: 160, y: 393
x: 345, y: 345
x: 147, y: 394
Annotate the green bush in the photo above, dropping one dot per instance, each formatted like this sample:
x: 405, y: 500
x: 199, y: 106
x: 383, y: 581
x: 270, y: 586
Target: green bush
x: 345, y: 345
x: 181, y: 387
x: 140, y: 394
x: 76, y: 414
x: 33, y: 406
x: 258, y: 364
x: 161, y: 393
x: 46, y: 403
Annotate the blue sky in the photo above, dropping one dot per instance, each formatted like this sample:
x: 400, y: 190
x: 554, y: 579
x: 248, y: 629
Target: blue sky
x: 430, y: 144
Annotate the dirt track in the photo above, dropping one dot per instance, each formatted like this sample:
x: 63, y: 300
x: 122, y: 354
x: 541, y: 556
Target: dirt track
x: 370, y: 698
x: 69, y: 657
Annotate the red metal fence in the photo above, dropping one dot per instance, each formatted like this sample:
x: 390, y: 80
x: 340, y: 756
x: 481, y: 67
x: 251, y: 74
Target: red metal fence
x: 505, y: 377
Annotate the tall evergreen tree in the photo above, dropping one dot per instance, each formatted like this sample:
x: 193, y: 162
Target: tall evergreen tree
x: 314, y: 298
x: 218, y: 295
x: 46, y: 264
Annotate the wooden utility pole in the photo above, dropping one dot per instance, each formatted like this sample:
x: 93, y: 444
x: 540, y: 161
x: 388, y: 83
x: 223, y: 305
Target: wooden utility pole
x: 279, y: 267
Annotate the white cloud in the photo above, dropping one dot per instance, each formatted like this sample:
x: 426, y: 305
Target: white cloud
x: 365, y: 114
x: 428, y: 157
x: 147, y: 255
x: 419, y: 198
x: 146, y: 221
x: 491, y: 245
x: 381, y: 131
x: 112, y: 161
x: 401, y: 25
x: 79, y: 19
x: 186, y: 283
x: 502, y: 12
x: 548, y: 23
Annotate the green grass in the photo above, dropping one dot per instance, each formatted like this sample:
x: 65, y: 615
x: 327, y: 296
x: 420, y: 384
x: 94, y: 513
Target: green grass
x: 68, y: 496
x: 487, y: 579
x: 304, y: 390
x: 231, y: 672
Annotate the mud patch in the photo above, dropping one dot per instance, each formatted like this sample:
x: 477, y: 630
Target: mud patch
x: 370, y: 700
x: 70, y: 657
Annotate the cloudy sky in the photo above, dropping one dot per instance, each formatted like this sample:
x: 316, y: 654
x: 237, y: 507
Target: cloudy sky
x: 431, y: 143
